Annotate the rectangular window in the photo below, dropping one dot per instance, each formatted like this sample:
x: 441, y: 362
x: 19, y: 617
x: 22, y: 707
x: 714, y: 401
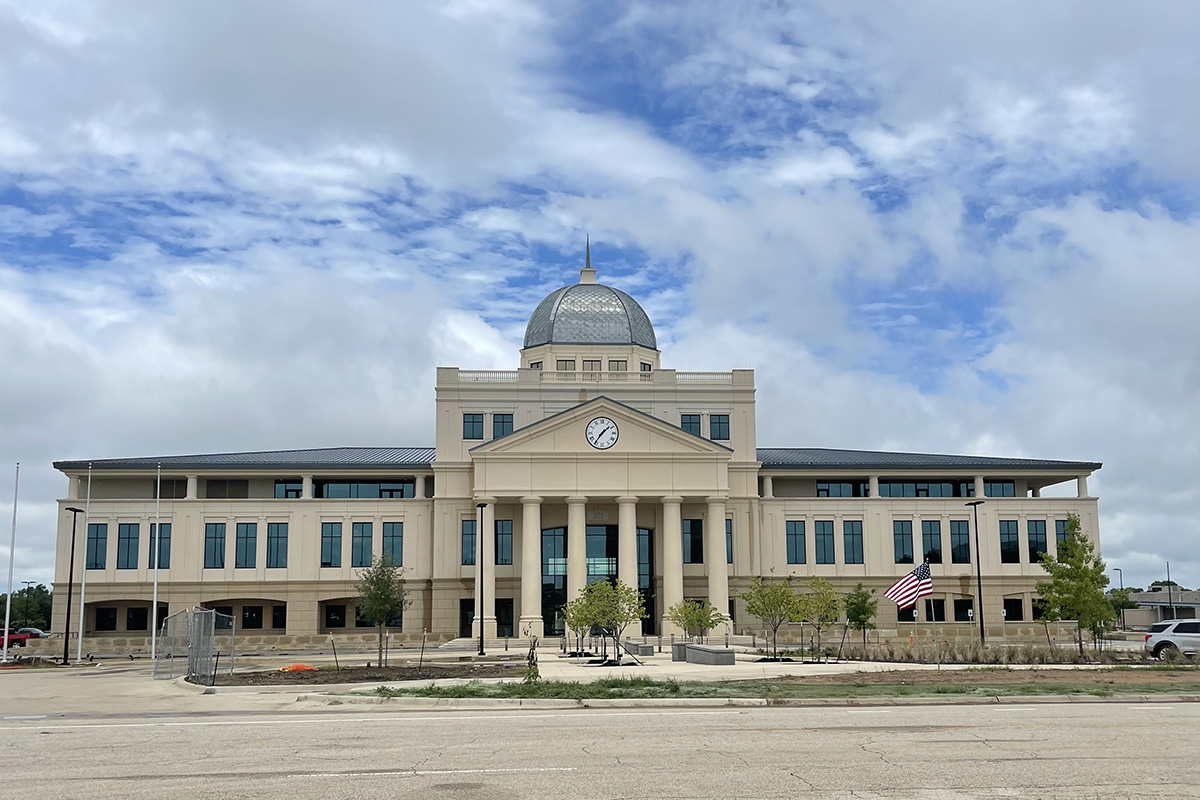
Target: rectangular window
x: 907, y: 614
x: 936, y: 488
x: 366, y: 489
x: 252, y: 617
x: 1037, y: 540
x: 960, y: 541
x: 501, y: 425
x: 1010, y: 542
x: 964, y: 609
x: 1060, y: 531
x: 565, y: 365
x: 335, y: 616
x: 842, y: 489
x: 214, y: 545
x: 164, y: 539
x: 245, y: 551
x: 999, y: 489
x: 728, y: 541
x: 795, y: 541
x: 618, y: 366
x: 931, y: 540
x: 690, y: 423
x: 591, y: 365
x: 127, y: 545
x: 393, y: 542
x: 693, y: 541
x: 852, y: 541
x: 106, y: 618
x: 279, y: 617
x: 823, y: 539
x: 173, y: 489
x: 646, y: 367
x: 289, y: 489
x: 137, y: 618
x: 227, y: 489
x: 1014, y: 609
x: 468, y: 542
x: 503, y: 542
x: 472, y: 426
x: 902, y: 543
x: 1039, y: 609
x: 935, y: 609
x: 331, y: 544
x: 277, y: 535
x: 361, y: 535
x: 97, y: 545
x: 535, y: 365
x: 718, y: 427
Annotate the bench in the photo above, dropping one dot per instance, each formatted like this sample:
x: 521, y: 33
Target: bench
x: 707, y: 654
x: 638, y: 648
x: 679, y: 651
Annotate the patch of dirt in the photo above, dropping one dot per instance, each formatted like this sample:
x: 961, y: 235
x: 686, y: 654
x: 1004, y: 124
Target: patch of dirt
x: 402, y: 672
x: 1184, y: 678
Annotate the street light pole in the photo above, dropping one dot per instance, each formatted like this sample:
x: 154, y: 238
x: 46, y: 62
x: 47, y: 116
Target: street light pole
x: 479, y: 539
x: 978, y: 571
x: 26, y: 616
x: 1121, y: 576
x: 75, y: 512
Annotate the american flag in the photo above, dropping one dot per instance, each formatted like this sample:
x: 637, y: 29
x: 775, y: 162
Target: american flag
x: 911, y: 587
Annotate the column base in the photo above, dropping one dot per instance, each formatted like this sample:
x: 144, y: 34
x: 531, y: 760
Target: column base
x: 530, y: 626
x: 489, y: 628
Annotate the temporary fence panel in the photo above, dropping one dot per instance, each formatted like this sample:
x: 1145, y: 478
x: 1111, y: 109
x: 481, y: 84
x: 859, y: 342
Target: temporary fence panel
x: 171, y: 654
x: 211, y: 641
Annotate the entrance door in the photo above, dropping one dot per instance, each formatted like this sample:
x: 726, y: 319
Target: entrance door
x: 504, y: 617
x: 645, y: 550
x: 466, y: 616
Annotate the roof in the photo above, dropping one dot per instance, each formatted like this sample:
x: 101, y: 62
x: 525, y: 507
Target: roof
x: 589, y: 313
x: 824, y: 458
x: 328, y: 458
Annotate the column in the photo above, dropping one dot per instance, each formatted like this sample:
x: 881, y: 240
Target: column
x: 627, y: 562
x: 768, y: 487
x: 873, y: 489
x: 1081, y: 486
x: 485, y: 562
x: 1036, y: 491
x: 672, y: 566
x: 576, y: 546
x: 73, y: 484
x: 714, y: 557
x: 419, y: 489
x: 979, y: 487
x: 306, y: 487
x: 531, y: 568
x: 193, y: 486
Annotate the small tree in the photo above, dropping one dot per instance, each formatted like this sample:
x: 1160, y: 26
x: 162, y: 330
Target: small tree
x: 774, y: 603
x: 820, y: 606
x: 861, y: 607
x: 381, y: 595
x: 613, y: 608
x: 697, y: 615
x: 1075, y: 590
x: 578, y: 617
x: 1120, y: 600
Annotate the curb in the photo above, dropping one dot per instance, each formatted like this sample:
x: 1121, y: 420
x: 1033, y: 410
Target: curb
x: 192, y: 688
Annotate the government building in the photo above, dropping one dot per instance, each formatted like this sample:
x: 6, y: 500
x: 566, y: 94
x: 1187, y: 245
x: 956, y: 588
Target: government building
x: 591, y: 461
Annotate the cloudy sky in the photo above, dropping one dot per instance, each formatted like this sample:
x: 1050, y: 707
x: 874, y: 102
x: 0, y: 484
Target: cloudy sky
x: 931, y: 226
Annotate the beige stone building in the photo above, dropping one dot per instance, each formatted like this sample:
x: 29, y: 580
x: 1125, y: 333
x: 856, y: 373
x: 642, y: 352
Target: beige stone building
x: 591, y: 461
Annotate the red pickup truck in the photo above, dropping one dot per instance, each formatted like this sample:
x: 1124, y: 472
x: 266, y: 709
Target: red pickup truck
x: 14, y: 639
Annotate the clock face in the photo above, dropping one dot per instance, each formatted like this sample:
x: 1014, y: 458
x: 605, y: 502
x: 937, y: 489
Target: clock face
x: 602, y: 433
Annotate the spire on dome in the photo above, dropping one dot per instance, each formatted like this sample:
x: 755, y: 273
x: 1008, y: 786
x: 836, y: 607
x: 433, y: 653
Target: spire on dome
x: 587, y: 274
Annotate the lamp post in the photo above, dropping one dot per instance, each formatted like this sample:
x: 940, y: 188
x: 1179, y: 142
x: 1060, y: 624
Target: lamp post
x: 1121, y: 577
x: 479, y: 552
x: 75, y: 512
x: 978, y: 571
x: 26, y: 615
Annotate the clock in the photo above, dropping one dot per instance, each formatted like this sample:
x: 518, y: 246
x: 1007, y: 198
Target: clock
x: 602, y: 433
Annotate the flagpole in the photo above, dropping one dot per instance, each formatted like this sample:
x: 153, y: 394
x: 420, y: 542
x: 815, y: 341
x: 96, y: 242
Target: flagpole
x: 157, y: 557
x: 87, y: 507
x: 12, y: 549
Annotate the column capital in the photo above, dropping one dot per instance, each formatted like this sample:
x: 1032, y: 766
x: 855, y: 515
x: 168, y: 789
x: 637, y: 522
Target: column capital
x: 531, y: 500
x: 625, y: 500
x: 491, y: 501
x: 672, y: 499
x: 576, y: 500
x: 716, y: 499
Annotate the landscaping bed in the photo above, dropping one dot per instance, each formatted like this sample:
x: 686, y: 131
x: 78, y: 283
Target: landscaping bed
x: 401, y: 672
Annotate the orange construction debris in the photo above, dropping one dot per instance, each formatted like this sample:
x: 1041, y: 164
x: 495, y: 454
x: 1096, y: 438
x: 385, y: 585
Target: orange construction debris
x: 298, y: 668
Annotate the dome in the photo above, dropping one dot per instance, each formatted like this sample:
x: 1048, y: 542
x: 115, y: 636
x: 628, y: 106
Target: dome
x: 589, y: 313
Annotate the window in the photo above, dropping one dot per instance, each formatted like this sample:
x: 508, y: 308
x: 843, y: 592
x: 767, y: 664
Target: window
x: 164, y: 557
x: 565, y: 365
x: 823, y: 536
x: 906, y: 614
x: 331, y: 544
x: 277, y: 533
x: 127, y: 545
x: 1039, y: 609
x: 794, y: 529
x: 106, y: 619
x: 97, y: 545
x: 360, y: 544
x: 1014, y: 609
x: 252, y: 617
x: 279, y: 617
x: 902, y: 542
x: 646, y: 367
x: 393, y: 542
x: 960, y: 541
x: 1037, y: 539
x: 172, y: 489
x: 370, y: 490
x: 963, y: 609
x: 690, y: 423
x: 935, y: 609
x: 999, y: 489
x: 227, y: 611
x: 503, y: 542
x: 468, y: 542
x: 728, y: 541
x: 852, y: 544
x: 245, y: 548
x: 836, y: 489
x: 501, y: 425
x: 535, y: 365
x: 931, y: 540
x: 289, y: 489
x: 223, y: 489
x: 718, y: 426
x: 214, y: 545
x: 360, y: 621
x: 137, y: 618
x: 936, y: 488
x: 472, y: 426
x: 618, y: 366
x: 335, y: 616
x: 1010, y: 545
x: 1060, y: 531
x: 693, y: 541
x: 591, y: 365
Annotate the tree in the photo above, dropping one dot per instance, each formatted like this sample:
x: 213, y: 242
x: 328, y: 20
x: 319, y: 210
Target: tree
x: 820, y: 606
x: 698, y: 615
x: 1120, y: 600
x: 1075, y: 590
x: 381, y: 595
x: 860, y: 611
x: 577, y: 617
x: 31, y: 607
x: 613, y: 607
x: 774, y: 603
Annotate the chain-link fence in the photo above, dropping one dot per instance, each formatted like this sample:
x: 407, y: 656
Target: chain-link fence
x: 198, y: 643
x: 170, y: 659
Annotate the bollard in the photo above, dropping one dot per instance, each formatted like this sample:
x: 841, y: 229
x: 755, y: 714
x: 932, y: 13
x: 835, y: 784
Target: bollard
x: 727, y: 640
x: 660, y: 644
x: 506, y: 644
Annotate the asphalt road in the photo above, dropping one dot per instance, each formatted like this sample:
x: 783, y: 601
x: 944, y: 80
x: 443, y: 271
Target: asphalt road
x: 1039, y: 751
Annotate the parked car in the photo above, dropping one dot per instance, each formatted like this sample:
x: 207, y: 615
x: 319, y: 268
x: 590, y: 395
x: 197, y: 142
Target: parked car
x: 14, y: 638
x: 34, y: 633
x: 1179, y: 635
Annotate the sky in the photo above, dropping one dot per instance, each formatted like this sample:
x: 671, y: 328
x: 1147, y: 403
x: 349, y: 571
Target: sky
x: 927, y: 226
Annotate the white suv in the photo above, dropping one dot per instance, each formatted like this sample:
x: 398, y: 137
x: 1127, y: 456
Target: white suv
x: 1180, y: 635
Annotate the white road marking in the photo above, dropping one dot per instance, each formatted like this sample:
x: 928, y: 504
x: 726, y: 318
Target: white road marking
x: 417, y: 772
x: 25, y: 716
x: 871, y: 711
x: 1022, y: 708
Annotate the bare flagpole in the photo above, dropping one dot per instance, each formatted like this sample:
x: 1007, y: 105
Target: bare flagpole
x: 12, y: 549
x: 157, y: 541
x: 87, y: 507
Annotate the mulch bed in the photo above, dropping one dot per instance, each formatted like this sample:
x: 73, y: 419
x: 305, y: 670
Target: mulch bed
x: 403, y: 672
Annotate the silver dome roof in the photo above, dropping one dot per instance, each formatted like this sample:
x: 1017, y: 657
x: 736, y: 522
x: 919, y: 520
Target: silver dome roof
x: 589, y: 313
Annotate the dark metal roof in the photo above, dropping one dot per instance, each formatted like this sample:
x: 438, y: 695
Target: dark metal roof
x: 823, y: 458
x: 321, y: 458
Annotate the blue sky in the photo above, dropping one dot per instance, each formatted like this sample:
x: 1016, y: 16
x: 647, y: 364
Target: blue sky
x: 927, y: 226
